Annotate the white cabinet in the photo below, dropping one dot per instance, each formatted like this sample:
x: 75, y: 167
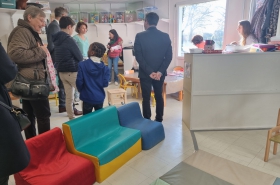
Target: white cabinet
x: 128, y: 59
x: 231, y: 91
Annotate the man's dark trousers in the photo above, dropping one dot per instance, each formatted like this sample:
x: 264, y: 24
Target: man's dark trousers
x: 61, y: 93
x: 146, y: 86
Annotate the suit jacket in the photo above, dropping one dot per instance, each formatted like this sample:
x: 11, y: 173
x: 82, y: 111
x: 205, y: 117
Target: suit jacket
x: 153, y: 52
x: 51, y: 30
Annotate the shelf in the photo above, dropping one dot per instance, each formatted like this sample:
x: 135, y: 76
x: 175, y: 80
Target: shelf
x: 139, y: 22
x: 134, y: 22
x: 110, y: 24
x: 16, y: 11
x: 95, y: 24
x: 10, y: 11
x: 164, y: 20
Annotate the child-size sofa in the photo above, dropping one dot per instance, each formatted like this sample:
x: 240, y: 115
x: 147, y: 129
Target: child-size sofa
x: 99, y: 137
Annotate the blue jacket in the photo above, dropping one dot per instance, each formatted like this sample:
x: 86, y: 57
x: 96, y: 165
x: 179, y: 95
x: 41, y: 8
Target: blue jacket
x: 66, y: 53
x: 91, y: 79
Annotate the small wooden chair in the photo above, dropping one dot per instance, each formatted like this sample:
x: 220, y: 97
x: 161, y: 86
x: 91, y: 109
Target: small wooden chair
x: 273, y: 135
x: 153, y: 98
x: 125, y: 84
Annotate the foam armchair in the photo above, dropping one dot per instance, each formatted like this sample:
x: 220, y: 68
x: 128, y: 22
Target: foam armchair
x: 152, y: 132
x: 51, y: 163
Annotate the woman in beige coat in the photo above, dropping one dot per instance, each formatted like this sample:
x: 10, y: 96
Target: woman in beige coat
x: 26, y: 49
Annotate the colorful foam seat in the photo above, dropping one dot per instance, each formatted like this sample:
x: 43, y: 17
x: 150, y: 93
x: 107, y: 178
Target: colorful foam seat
x: 99, y: 137
x: 152, y: 132
x: 51, y: 163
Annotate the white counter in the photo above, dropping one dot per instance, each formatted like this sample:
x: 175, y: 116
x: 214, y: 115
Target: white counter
x: 231, y: 91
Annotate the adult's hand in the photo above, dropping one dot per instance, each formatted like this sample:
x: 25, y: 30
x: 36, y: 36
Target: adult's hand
x: 153, y: 75
x: 158, y: 75
x: 234, y: 43
x: 45, y: 49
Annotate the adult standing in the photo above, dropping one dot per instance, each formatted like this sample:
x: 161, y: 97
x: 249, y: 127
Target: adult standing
x: 115, y: 49
x: 68, y: 56
x: 26, y: 49
x: 153, y: 52
x: 14, y: 155
x: 81, y: 39
x: 83, y: 44
x: 51, y: 30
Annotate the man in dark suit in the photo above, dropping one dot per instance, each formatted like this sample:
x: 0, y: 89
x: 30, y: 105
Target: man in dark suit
x: 51, y: 30
x: 153, y: 52
x: 54, y: 28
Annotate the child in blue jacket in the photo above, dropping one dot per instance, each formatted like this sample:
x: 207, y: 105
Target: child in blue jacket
x: 92, y: 77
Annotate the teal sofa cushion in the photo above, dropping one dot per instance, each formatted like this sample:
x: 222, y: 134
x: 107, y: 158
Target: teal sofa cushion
x: 99, y: 134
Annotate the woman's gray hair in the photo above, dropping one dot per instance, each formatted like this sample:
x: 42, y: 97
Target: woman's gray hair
x: 33, y: 11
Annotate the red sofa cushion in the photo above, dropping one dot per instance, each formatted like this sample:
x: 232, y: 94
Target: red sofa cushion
x: 51, y: 163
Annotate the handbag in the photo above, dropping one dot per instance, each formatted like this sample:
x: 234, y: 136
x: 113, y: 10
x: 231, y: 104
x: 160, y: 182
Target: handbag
x: 21, y: 116
x: 30, y: 89
x: 51, y: 73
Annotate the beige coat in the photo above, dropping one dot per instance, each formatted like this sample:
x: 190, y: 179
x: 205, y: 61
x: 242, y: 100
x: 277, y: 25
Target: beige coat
x: 25, y: 52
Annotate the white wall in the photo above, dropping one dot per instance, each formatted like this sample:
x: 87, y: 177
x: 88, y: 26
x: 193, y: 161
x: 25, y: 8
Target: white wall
x: 8, y: 22
x: 100, y: 32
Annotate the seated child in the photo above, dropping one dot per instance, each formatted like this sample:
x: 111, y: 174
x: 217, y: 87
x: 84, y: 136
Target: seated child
x: 197, y: 40
x: 92, y: 77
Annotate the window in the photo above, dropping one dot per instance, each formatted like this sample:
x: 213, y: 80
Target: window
x: 205, y: 19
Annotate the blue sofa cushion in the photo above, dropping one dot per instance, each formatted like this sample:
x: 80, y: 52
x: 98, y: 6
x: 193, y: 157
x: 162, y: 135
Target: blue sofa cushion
x: 152, y: 132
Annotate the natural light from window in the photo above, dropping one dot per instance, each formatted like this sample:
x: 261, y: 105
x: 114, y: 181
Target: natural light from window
x: 205, y: 19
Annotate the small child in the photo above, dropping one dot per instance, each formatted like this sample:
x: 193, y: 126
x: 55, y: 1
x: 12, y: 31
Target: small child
x: 197, y: 40
x: 92, y: 77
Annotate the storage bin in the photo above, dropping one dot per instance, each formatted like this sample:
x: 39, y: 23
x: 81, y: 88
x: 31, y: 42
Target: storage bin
x: 8, y: 4
x: 130, y: 16
x: 112, y: 17
x: 140, y: 15
x: 93, y: 17
x: 46, y: 4
x: 74, y: 16
x: 104, y: 17
x: 142, y: 12
x: 119, y: 17
x: 84, y: 17
x: 149, y: 9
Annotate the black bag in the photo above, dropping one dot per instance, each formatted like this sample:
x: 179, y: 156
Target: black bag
x: 21, y: 116
x: 30, y: 89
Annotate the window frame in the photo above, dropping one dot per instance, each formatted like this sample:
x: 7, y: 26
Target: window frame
x: 179, y: 17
